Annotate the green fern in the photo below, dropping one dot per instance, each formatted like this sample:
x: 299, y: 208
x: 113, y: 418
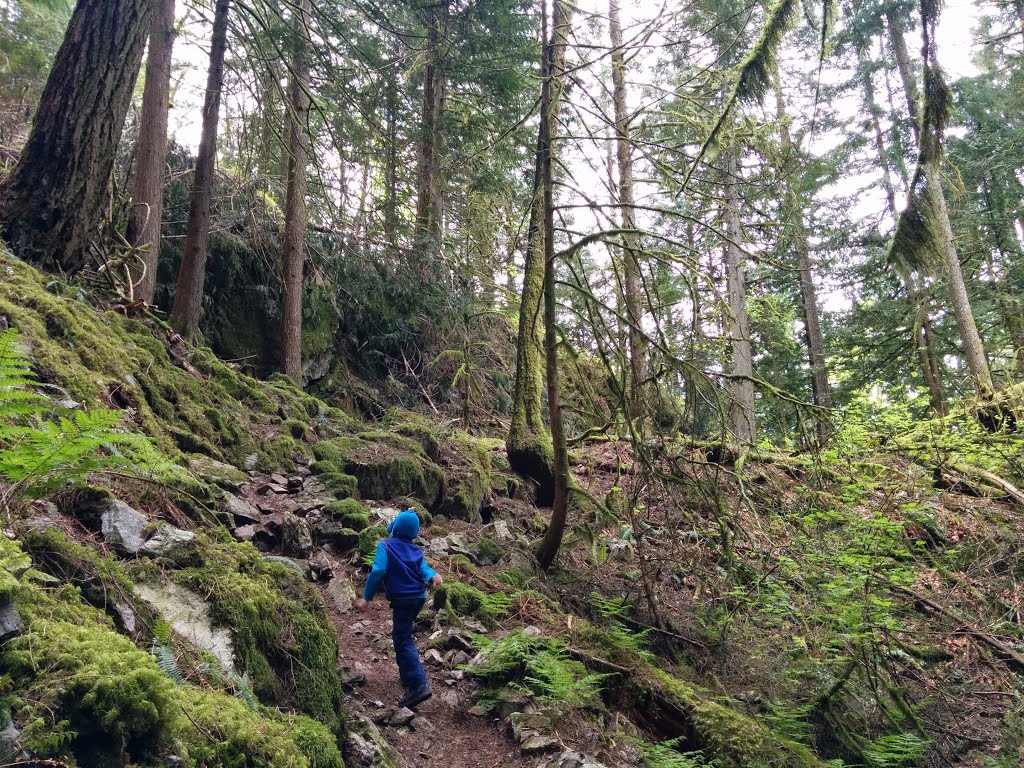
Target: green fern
x: 665, y: 754
x: 538, y: 665
x: 39, y: 454
x: 895, y: 751
x: 167, y: 662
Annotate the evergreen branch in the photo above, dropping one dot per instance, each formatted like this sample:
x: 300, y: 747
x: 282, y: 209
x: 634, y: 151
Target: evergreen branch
x: 754, y: 76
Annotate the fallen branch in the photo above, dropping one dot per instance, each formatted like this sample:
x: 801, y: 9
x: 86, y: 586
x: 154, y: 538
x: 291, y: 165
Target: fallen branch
x: 1015, y: 658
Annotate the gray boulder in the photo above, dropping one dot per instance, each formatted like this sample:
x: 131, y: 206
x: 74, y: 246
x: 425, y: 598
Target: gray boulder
x: 123, y: 527
x: 166, y: 540
x: 241, y: 510
x: 217, y: 472
x: 189, y: 615
x: 296, y: 538
x: 11, y: 624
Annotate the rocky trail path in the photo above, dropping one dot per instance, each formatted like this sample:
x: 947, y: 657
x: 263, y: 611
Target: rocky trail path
x: 442, y: 731
x: 282, y: 516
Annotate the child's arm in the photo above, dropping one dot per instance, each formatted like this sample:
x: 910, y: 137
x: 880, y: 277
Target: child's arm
x: 380, y: 567
x: 428, y: 574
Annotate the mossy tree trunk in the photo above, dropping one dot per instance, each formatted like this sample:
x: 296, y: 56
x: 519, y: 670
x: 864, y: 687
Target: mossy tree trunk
x: 54, y: 201
x: 552, y: 540
x: 922, y: 337
x: 528, y: 443
x: 742, y: 419
x: 188, y: 293
x: 151, y: 153
x: 297, y: 121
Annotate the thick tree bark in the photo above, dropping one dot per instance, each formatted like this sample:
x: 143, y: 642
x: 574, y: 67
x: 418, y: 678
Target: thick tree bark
x: 294, y: 243
x: 188, y: 294
x: 631, y: 287
x: 151, y: 153
x: 742, y: 417
x: 53, y: 203
x: 552, y: 541
x: 820, y: 390
x: 922, y: 328
x: 528, y: 444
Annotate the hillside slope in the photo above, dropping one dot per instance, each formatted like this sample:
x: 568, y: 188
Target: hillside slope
x: 709, y: 610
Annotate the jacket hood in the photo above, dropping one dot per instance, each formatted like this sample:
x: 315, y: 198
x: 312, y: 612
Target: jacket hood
x: 406, y: 525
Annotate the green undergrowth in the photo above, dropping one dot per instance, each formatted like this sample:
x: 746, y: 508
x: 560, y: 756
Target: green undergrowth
x: 283, y: 639
x: 538, y: 666
x: 81, y: 691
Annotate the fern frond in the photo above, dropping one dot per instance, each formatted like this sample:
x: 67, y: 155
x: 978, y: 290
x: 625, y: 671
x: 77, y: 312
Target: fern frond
x: 167, y: 662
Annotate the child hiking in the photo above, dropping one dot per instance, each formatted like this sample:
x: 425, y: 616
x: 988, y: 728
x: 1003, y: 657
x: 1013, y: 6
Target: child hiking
x: 400, y: 566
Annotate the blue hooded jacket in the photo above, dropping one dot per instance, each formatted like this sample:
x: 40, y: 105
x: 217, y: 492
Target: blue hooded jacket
x: 399, y: 564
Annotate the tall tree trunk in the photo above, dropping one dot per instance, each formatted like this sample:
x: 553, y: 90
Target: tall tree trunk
x: 929, y: 157
x: 820, y: 390
x: 188, y: 294
x: 742, y: 418
x: 391, y: 217
x: 970, y: 339
x: 294, y: 244
x: 922, y: 329
x: 552, y: 540
x: 631, y: 242
x: 902, y: 56
x: 428, y: 198
x: 528, y: 444
x: 151, y: 153
x: 53, y: 202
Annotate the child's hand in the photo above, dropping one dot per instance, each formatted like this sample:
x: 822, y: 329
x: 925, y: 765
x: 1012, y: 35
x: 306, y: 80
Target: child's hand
x: 362, y: 605
x: 437, y: 580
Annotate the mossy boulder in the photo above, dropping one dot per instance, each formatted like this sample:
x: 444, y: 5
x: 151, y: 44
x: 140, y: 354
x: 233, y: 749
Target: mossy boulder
x: 469, y: 477
x: 81, y: 692
x: 385, y: 466
x: 350, y: 513
x: 282, y: 637
x: 218, y: 473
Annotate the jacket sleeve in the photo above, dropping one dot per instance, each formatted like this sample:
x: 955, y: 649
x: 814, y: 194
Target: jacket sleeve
x: 426, y: 572
x: 380, y: 567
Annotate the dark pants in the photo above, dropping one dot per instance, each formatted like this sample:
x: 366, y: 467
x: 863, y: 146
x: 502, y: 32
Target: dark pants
x: 403, y: 616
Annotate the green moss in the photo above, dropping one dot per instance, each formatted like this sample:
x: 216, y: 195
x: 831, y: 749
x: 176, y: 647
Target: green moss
x: 282, y: 636
x: 343, y: 486
x: 297, y: 429
x: 735, y: 740
x: 368, y: 540
x: 241, y: 738
x: 349, y: 513
x: 469, y: 478
x: 282, y: 452
x: 97, y: 357
x: 487, y: 550
x: 466, y: 600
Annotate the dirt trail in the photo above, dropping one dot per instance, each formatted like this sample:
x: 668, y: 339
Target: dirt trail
x: 450, y: 736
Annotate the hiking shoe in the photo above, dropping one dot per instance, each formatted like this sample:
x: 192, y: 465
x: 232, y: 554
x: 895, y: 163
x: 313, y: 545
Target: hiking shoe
x: 415, y: 696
